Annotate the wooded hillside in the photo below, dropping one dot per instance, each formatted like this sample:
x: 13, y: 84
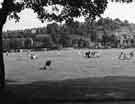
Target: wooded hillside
x: 104, y: 33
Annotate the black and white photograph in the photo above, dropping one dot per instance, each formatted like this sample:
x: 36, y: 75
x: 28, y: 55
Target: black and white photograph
x: 67, y: 51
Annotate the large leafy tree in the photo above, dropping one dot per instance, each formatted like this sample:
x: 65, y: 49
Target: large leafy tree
x: 53, y: 29
x: 61, y: 10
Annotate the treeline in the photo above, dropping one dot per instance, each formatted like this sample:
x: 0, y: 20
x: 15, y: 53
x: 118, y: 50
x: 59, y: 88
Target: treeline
x: 103, y: 33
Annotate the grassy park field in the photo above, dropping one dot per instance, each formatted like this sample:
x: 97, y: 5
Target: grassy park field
x: 72, y: 76
x: 67, y: 64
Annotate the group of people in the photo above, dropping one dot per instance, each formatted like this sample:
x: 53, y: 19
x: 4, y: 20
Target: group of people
x: 31, y: 55
x: 92, y: 54
x: 122, y: 56
x: 126, y: 56
x: 89, y: 54
x: 34, y: 56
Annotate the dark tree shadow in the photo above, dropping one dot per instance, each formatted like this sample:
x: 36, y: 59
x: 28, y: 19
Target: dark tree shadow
x: 76, y: 90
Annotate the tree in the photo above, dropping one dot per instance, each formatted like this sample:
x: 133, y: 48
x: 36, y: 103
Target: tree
x: 122, y: 1
x: 53, y: 30
x: 65, y: 40
x: 113, y: 40
x: 70, y: 9
x: 71, y: 26
x: 28, y: 43
x: 14, y: 43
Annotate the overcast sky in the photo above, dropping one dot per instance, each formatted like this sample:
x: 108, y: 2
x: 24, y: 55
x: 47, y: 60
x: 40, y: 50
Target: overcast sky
x: 114, y: 10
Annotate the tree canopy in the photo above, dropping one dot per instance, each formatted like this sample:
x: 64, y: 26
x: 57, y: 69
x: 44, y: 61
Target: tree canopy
x: 67, y: 8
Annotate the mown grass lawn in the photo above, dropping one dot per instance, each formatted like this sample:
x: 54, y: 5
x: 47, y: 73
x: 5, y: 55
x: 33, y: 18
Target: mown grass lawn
x: 72, y: 77
x: 69, y: 64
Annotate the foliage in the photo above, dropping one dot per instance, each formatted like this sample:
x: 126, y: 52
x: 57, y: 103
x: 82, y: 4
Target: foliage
x: 62, y: 35
x: 68, y: 10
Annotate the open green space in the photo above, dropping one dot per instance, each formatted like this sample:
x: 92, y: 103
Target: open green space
x: 72, y: 78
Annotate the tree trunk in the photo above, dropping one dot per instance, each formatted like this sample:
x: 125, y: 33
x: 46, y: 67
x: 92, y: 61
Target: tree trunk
x: 4, y: 12
x: 3, y: 17
x: 2, y: 67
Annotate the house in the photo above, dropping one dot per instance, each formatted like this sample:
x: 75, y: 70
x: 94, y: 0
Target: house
x: 124, y: 37
x: 80, y: 41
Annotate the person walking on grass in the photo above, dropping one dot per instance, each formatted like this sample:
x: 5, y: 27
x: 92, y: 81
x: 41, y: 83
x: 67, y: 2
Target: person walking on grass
x: 47, y: 65
x: 7, y: 53
x: 131, y: 54
x: 121, y: 55
x: 33, y: 56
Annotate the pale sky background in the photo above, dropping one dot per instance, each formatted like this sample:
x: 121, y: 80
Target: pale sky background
x: 114, y: 10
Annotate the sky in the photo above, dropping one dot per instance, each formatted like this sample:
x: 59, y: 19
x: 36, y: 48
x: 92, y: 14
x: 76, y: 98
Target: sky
x: 114, y: 10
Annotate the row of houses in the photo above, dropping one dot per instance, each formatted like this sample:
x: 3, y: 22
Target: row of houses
x: 124, y: 37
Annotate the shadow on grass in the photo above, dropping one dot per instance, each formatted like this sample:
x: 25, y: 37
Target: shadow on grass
x: 107, y: 89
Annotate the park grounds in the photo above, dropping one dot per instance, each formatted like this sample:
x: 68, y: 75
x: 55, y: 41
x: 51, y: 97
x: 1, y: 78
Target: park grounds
x: 72, y: 77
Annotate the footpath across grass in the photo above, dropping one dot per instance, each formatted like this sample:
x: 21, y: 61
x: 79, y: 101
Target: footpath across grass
x: 107, y: 90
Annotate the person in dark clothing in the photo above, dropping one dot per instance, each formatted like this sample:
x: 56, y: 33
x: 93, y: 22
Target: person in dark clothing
x: 47, y: 64
x: 121, y: 55
x: 131, y: 54
x: 7, y: 53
